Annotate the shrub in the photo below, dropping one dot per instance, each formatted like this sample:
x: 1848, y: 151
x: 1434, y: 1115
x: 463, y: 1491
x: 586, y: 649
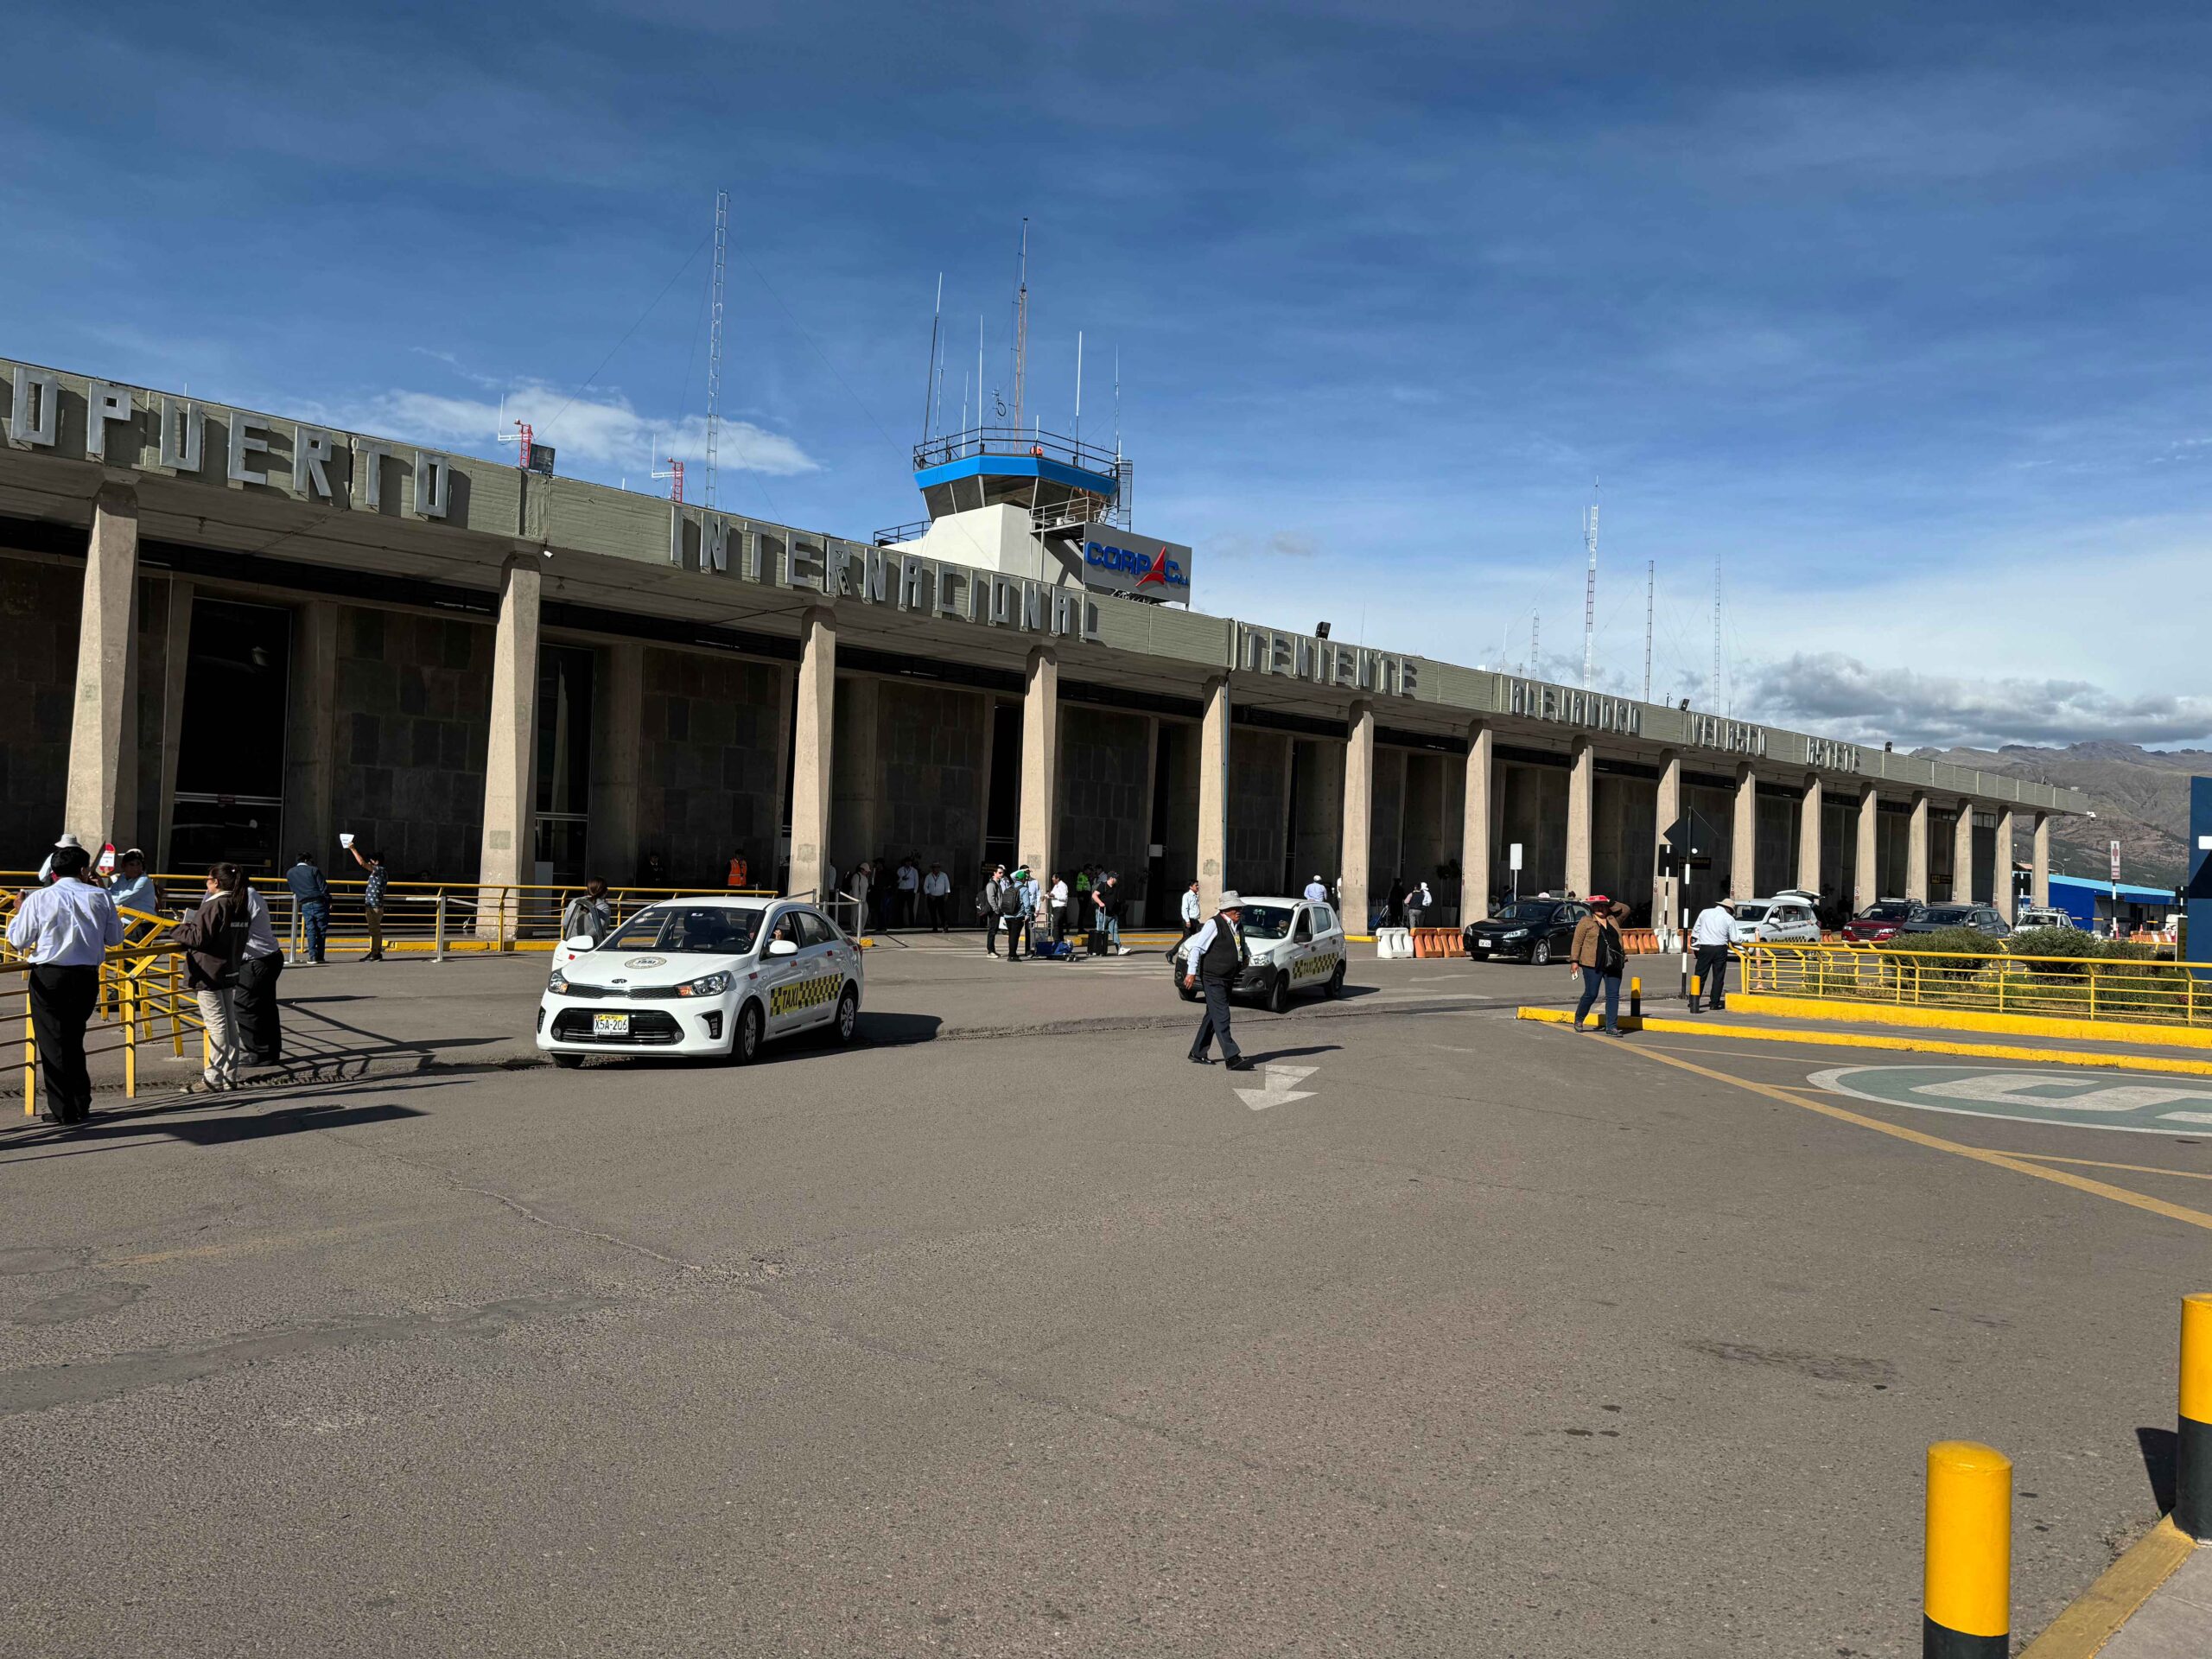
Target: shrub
x: 1972, y: 951
x: 2054, y: 942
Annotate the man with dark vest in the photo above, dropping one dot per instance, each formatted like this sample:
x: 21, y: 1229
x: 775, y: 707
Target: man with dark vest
x: 1212, y: 957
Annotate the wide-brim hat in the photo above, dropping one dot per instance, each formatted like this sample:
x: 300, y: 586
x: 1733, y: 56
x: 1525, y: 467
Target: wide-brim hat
x: 1231, y: 902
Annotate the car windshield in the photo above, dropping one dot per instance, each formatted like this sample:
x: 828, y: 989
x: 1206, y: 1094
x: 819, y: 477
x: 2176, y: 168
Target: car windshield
x: 1897, y: 910
x: 696, y: 930
x: 1947, y: 915
x: 1265, y: 921
x: 1751, y: 912
x: 1526, y: 912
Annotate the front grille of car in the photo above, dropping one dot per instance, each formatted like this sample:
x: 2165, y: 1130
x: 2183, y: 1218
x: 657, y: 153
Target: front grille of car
x: 617, y: 993
x: 646, y: 1025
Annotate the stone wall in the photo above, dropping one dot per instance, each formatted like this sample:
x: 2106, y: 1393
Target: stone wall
x: 1105, y: 793
x: 1777, y: 845
x: 1623, y: 839
x: 1533, y: 814
x: 413, y: 697
x: 1259, y: 775
x: 1317, y: 813
x: 1386, y: 817
x: 38, y: 612
x: 711, y: 760
x: 1715, y: 810
x: 933, y: 741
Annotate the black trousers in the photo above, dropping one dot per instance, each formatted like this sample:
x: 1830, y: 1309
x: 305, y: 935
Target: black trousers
x: 1215, y: 1020
x: 61, y: 1003
x: 259, y: 1034
x: 1712, y: 974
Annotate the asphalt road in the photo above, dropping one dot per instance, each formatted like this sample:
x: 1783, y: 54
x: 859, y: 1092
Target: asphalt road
x: 1457, y: 1335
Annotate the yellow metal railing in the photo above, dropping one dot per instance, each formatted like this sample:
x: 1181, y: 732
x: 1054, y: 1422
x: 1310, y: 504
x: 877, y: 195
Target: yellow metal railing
x: 143, y: 1003
x: 437, y: 918
x: 2117, y: 990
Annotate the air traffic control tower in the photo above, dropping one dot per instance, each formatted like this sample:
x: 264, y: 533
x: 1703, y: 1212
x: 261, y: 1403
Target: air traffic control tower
x: 1026, y: 503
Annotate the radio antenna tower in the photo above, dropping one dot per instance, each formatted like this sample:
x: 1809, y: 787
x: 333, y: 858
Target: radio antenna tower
x: 715, y: 347
x: 1078, y: 389
x: 1589, y: 590
x: 1650, y: 597
x: 1716, y: 633
x: 675, y: 473
x: 1535, y: 644
x: 1021, y: 323
x: 930, y: 381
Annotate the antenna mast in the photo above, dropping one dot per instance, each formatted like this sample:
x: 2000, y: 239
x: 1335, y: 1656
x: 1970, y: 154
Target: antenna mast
x: 929, y: 378
x: 1021, y: 323
x: 1078, y: 389
x: 1650, y: 597
x: 1535, y: 643
x: 1716, y: 633
x: 715, y: 348
x: 1590, y: 589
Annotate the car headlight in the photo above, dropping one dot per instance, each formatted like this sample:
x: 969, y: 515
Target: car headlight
x: 557, y: 982
x: 1515, y: 933
x: 708, y: 985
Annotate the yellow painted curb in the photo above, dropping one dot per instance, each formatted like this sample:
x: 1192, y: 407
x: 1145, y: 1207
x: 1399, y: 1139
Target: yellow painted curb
x: 1912, y: 1044
x: 2020, y: 1025
x: 2095, y: 1616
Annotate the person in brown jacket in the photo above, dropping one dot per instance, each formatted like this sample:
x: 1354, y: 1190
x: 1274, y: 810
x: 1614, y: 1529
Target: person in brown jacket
x: 1598, y: 952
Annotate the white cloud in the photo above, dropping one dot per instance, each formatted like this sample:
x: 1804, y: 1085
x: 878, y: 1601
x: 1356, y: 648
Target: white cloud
x: 1828, y: 691
x: 603, y: 432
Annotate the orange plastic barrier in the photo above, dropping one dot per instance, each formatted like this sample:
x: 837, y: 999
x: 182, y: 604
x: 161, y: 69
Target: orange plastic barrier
x: 1438, y: 942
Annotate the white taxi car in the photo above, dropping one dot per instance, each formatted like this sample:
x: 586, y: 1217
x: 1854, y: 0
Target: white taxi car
x: 1296, y: 945
x: 1790, y: 917
x: 705, y: 975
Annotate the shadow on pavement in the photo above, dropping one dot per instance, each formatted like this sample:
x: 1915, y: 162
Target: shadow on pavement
x: 106, y: 1132
x: 1259, y: 1058
x: 2161, y: 1455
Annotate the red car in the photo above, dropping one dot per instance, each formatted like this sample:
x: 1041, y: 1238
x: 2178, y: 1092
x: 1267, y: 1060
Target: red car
x: 1881, y: 920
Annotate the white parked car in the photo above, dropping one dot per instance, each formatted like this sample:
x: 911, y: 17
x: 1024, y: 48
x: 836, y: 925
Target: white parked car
x: 1296, y: 945
x: 1788, y: 918
x: 705, y: 975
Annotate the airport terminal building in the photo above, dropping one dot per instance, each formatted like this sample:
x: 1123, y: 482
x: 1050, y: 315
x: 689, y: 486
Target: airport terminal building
x: 234, y: 634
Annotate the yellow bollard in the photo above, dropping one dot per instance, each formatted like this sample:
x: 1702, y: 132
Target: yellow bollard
x: 2193, y: 1464
x: 30, y: 1061
x: 1636, y: 996
x: 1966, y: 1600
x: 129, y: 991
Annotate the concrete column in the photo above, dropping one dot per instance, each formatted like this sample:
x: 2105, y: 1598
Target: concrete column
x: 1581, y: 798
x: 176, y: 654
x: 813, y: 730
x: 2040, y: 890
x: 1809, y: 826
x: 107, y: 658
x: 1962, y: 856
x: 618, y: 742
x: 1744, y: 837
x: 1475, y: 848
x: 510, y: 749
x: 1867, y: 866
x: 1213, y: 794
x: 1916, y: 852
x: 2001, y: 881
x: 311, y: 736
x: 1359, y: 817
x: 1040, y: 761
x: 1666, y: 810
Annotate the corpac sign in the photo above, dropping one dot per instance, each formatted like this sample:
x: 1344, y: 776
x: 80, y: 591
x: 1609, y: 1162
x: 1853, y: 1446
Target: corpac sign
x: 1116, y: 562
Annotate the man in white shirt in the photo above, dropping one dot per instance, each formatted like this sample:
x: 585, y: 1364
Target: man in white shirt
x: 937, y: 888
x: 910, y: 882
x: 1316, y: 893
x: 1189, y: 910
x: 1059, y: 908
x: 66, y: 929
x: 1710, y: 934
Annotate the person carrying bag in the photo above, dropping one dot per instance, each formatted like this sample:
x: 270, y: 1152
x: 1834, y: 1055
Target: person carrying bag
x: 1601, y: 955
x: 215, y: 936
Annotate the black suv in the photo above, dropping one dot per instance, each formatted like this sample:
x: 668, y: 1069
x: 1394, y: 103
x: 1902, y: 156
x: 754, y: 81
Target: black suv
x: 1983, y: 919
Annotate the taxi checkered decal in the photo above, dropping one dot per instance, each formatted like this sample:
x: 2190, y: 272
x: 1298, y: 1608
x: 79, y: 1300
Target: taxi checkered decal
x: 804, y: 993
x: 1319, y: 967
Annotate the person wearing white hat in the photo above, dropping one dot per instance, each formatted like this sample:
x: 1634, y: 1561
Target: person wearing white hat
x: 1710, y: 934
x: 1212, y: 957
x: 68, y: 842
x: 1316, y: 892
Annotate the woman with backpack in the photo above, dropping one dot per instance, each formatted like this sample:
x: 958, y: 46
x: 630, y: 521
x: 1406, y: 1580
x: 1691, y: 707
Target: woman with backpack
x: 1598, y: 952
x: 220, y: 938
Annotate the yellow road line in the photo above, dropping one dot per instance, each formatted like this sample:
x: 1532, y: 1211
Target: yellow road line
x: 2092, y: 1163
x: 2091, y: 1617
x: 1936, y: 1142
x: 2164, y: 1064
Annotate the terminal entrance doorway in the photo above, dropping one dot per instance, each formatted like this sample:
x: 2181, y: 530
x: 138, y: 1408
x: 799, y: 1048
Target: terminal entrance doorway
x: 228, y: 803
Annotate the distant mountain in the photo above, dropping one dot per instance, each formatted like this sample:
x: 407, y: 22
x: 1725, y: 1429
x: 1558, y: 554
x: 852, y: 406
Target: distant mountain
x: 2142, y: 798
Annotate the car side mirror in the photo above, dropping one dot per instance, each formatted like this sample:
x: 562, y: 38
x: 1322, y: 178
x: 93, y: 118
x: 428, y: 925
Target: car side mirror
x: 782, y: 948
x: 582, y: 942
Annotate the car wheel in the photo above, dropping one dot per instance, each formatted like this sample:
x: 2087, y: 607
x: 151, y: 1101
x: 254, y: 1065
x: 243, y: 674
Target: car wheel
x: 567, y: 1062
x: 847, y: 1024
x: 1540, y: 954
x: 744, y: 1035
x: 1336, y: 986
x: 1279, y: 994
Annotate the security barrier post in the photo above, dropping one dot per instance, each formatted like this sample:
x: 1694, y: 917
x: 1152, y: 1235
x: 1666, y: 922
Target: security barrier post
x: 442, y: 925
x: 31, y: 1057
x: 129, y: 991
x: 1967, y: 1599
x: 1635, y: 997
x: 2193, y: 1464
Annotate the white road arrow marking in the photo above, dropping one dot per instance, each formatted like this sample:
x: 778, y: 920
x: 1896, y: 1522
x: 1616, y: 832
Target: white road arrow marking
x: 1282, y: 1086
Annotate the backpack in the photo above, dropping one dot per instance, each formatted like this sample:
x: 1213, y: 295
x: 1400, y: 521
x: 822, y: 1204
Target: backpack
x: 1611, y: 956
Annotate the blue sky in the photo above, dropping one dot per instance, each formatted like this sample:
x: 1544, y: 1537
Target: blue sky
x: 1898, y: 311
